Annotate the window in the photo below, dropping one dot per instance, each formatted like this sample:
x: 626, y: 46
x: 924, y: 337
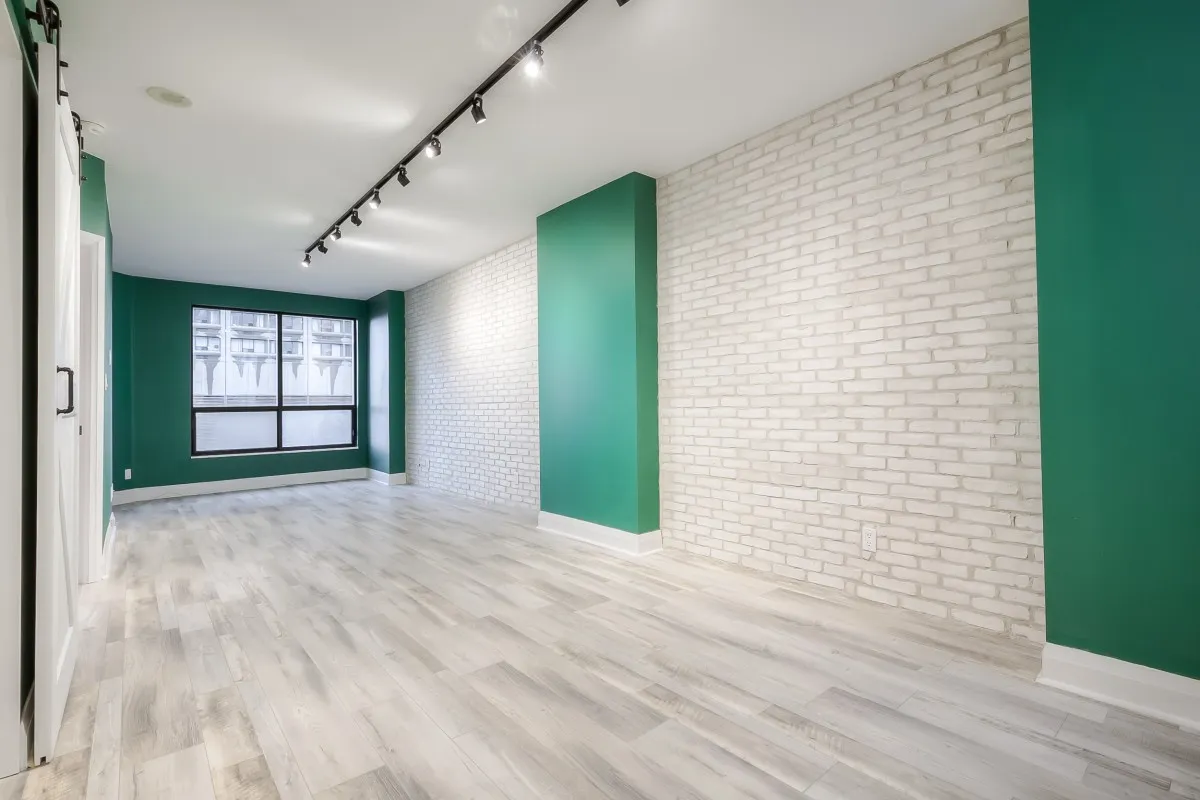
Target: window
x: 246, y: 398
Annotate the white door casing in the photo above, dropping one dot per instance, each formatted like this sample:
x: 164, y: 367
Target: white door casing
x: 90, y: 400
x: 13, y: 753
x: 56, y: 601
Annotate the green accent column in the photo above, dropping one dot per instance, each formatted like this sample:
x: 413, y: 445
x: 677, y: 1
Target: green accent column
x: 598, y: 356
x: 385, y: 392
x: 1117, y: 164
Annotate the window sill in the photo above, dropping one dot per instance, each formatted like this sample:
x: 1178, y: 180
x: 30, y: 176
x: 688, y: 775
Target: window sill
x: 278, y: 452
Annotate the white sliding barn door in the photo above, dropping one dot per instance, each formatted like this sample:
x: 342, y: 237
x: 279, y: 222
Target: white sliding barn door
x: 58, y: 536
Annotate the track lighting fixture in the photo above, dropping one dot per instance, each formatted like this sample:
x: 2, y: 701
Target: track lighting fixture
x: 306, y: 261
x: 336, y: 235
x: 530, y: 55
x: 534, y: 62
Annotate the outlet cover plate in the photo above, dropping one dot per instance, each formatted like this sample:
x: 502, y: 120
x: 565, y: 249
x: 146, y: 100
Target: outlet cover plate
x: 869, y: 533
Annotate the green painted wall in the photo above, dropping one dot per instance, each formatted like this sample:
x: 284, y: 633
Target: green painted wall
x: 152, y: 361
x: 16, y: 15
x: 386, y: 447
x: 1117, y: 166
x: 598, y: 356
x: 94, y: 218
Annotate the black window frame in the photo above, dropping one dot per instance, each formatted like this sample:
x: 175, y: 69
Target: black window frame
x: 280, y: 407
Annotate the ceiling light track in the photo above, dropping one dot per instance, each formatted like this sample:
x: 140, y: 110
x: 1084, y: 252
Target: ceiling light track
x: 430, y: 144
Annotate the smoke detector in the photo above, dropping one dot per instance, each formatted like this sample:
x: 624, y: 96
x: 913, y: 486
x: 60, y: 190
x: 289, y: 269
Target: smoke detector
x: 169, y: 97
x: 92, y: 128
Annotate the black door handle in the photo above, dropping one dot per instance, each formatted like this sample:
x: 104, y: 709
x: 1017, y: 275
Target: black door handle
x: 70, y: 391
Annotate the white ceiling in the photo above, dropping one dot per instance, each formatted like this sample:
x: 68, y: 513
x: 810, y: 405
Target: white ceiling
x: 298, y: 110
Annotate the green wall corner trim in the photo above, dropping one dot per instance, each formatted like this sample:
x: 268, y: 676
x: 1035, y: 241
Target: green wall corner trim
x: 386, y: 448
x: 598, y: 357
x: 1118, y: 262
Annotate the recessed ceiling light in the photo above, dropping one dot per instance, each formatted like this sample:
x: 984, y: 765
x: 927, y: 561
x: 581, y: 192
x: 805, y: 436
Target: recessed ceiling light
x: 169, y: 97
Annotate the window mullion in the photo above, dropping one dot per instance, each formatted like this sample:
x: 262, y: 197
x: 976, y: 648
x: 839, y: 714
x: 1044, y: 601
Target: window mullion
x: 279, y: 381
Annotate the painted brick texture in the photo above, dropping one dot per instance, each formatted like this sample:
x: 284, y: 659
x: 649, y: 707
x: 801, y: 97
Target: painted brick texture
x: 848, y: 336
x: 472, y: 361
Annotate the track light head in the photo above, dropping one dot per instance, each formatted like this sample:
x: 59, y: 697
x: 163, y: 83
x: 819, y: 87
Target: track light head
x: 355, y: 218
x: 402, y: 176
x: 306, y: 261
x: 434, y: 148
x: 321, y: 246
x: 375, y: 200
x: 534, y: 62
x: 336, y: 235
x: 477, y: 109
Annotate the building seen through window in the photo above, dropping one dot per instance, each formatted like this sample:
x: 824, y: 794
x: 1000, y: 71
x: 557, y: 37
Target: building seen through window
x: 238, y: 363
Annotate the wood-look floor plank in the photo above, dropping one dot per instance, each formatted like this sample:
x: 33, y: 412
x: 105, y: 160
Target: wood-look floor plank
x: 350, y: 641
x: 64, y: 778
x: 104, y: 767
x: 245, y: 780
x: 228, y: 732
x: 277, y: 753
x: 328, y: 746
x: 425, y: 761
x: 378, y: 784
x: 158, y: 714
x: 181, y: 775
x: 711, y: 770
x: 79, y: 719
x: 843, y: 783
x: 206, y: 660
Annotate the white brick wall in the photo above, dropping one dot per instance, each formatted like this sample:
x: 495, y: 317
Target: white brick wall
x: 472, y: 360
x: 848, y: 336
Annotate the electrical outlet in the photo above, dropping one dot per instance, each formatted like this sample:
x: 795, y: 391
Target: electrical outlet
x: 868, y: 538
x: 128, y: 474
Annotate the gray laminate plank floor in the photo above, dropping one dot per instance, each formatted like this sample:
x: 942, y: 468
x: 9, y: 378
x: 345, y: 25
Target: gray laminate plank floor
x: 356, y: 641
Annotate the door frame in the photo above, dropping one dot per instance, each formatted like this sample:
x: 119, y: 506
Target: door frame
x: 13, y: 738
x: 93, y: 389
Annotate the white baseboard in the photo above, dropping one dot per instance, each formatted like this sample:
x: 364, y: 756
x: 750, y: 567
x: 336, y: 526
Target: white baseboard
x: 394, y: 479
x: 637, y: 544
x: 1144, y: 690
x: 110, y: 546
x: 238, y: 485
